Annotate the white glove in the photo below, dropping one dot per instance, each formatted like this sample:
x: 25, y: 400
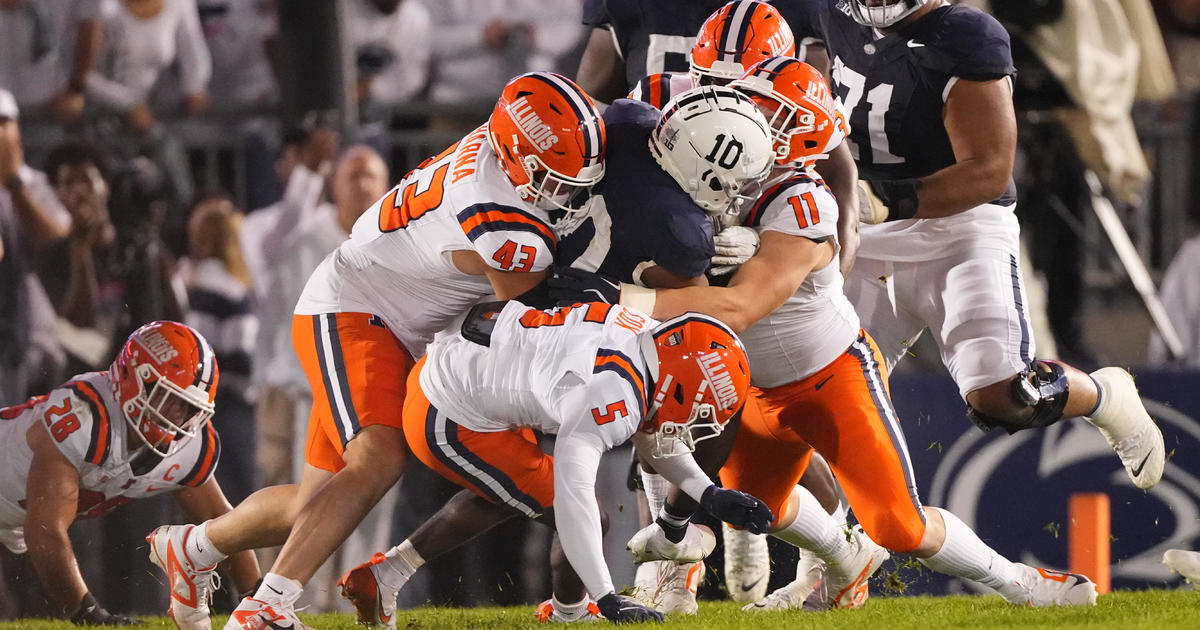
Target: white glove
x: 871, y: 209
x: 735, y: 245
x: 650, y: 543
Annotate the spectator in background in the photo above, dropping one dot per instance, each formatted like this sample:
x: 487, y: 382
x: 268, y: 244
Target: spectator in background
x: 237, y: 32
x: 1180, y: 294
x: 142, y: 40
x: 479, y: 45
x: 219, y: 308
x: 86, y: 292
x: 31, y: 218
x: 48, y: 48
x: 392, y: 42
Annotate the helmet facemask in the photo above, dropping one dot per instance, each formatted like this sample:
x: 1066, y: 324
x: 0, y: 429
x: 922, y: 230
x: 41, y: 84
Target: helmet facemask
x: 163, y: 414
x: 883, y: 13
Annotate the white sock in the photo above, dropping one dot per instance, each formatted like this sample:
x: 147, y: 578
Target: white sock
x: 570, y: 611
x: 814, y: 529
x: 402, y: 562
x: 964, y: 555
x: 839, y: 514
x: 200, y: 550
x: 657, y: 487
x: 276, y: 588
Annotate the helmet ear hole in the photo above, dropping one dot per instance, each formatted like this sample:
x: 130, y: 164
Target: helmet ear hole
x: 678, y: 393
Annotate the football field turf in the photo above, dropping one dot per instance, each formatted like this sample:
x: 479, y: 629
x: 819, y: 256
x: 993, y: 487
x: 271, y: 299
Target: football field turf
x: 1156, y: 610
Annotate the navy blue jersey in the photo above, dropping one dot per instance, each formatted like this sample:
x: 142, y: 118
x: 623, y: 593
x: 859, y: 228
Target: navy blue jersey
x: 894, y: 88
x: 656, y: 36
x: 651, y: 217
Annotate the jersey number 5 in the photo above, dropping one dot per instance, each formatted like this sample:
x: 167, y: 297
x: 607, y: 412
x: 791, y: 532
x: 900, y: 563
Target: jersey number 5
x: 611, y: 412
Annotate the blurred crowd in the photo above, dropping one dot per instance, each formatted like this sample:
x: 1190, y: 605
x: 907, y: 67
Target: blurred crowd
x: 106, y: 221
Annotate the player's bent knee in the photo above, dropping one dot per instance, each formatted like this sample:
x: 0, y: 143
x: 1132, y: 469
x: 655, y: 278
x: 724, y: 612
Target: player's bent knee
x: 1037, y: 396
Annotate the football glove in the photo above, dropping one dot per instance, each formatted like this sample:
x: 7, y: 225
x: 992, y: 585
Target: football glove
x: 90, y: 613
x: 737, y: 508
x: 570, y: 286
x: 735, y: 245
x: 619, y: 609
x: 871, y: 209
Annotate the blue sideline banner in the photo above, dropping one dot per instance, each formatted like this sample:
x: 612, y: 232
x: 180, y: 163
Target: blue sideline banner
x: 1014, y: 489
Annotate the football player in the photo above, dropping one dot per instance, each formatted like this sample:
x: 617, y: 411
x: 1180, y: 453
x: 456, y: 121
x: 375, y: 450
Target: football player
x: 928, y: 88
x: 595, y: 376
x: 481, y: 218
x: 103, y: 439
x: 735, y: 37
x: 632, y: 39
x: 644, y: 227
x: 818, y: 379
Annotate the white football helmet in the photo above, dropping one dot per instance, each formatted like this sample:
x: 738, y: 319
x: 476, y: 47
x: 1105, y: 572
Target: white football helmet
x: 883, y: 13
x: 717, y: 146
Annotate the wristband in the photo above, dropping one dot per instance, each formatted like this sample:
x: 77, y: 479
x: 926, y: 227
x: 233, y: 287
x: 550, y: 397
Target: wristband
x: 638, y: 298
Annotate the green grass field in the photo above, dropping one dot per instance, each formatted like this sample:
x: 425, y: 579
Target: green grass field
x: 1157, y: 610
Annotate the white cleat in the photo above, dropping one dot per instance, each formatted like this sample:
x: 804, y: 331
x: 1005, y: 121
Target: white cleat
x: 650, y: 543
x: 809, y: 571
x: 747, y: 565
x: 1041, y: 588
x: 1130, y: 431
x: 847, y: 581
x: 677, y: 588
x: 191, y: 587
x: 255, y: 614
x: 821, y: 598
x: 1185, y: 563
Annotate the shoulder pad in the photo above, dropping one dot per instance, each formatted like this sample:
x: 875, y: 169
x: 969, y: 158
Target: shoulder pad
x: 83, y: 432
x: 626, y: 111
x: 206, y: 458
x: 965, y: 42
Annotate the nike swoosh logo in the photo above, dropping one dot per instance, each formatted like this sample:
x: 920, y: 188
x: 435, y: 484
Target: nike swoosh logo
x: 822, y: 383
x: 746, y: 588
x: 274, y: 626
x: 1137, y: 471
x: 912, y: 44
x: 277, y: 591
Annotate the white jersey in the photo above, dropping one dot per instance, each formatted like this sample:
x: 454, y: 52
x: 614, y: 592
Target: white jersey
x: 397, y: 261
x: 87, y: 425
x: 575, y: 372
x: 817, y: 323
x: 547, y: 370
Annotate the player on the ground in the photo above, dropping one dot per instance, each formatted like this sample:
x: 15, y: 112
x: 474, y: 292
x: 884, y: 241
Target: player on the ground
x: 103, y: 439
x: 818, y: 380
x: 928, y: 89
x: 643, y: 228
x: 483, y: 217
x: 594, y: 375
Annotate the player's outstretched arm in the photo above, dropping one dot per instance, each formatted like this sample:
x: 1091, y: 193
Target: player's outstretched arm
x: 763, y: 283
x: 207, y: 502
x: 601, y: 69
x: 52, y: 498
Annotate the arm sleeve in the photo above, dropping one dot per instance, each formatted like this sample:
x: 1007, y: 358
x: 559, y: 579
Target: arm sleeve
x: 195, y: 64
x: 682, y: 471
x: 508, y: 238
x: 577, y: 515
x: 803, y: 207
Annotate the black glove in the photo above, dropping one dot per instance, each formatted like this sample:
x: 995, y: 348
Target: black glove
x: 90, y: 613
x: 570, y: 286
x: 618, y: 609
x: 737, y: 508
